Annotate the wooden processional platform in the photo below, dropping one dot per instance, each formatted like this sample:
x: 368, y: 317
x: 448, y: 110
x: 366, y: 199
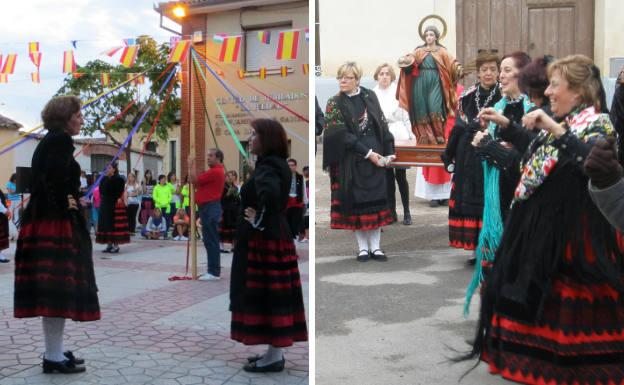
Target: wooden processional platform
x: 410, y: 154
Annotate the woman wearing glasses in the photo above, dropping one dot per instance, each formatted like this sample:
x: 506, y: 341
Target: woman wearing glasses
x: 357, y: 145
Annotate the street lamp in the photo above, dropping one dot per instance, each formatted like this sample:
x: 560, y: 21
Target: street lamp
x: 179, y: 10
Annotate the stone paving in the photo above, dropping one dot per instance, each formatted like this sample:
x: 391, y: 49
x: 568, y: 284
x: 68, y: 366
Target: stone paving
x: 153, y: 331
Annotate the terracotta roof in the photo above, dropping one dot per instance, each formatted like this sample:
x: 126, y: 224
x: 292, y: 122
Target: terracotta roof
x: 9, y: 124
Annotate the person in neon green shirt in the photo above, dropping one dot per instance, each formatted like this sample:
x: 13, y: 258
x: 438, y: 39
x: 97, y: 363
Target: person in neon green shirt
x: 176, y: 202
x: 162, y: 197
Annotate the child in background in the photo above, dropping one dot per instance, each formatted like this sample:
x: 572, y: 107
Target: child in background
x: 156, y: 227
x: 181, y: 223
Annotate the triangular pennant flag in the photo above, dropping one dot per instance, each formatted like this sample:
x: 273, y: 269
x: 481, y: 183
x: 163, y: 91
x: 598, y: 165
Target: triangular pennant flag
x: 219, y: 37
x: 173, y: 40
x: 78, y: 75
x: 229, y: 49
x: 307, y: 34
x: 4, y: 78
x: 35, y: 57
x: 105, y: 79
x: 262, y: 73
x: 34, y: 76
x: 264, y: 37
x: 73, y: 42
x: 9, y: 64
x: 306, y: 68
x: 0, y: 62
x: 180, y: 77
x: 129, y: 55
x: 33, y: 46
x: 179, y: 52
x: 284, y: 71
x: 241, y: 74
x: 69, y: 65
x: 287, y: 45
x: 140, y: 79
x: 111, y: 51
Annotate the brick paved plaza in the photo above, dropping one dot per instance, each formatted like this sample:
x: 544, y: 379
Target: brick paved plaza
x: 152, y: 331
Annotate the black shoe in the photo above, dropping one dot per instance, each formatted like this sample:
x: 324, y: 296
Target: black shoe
x: 434, y: 203
x: 255, y: 358
x: 70, y: 356
x: 472, y: 261
x: 381, y: 256
x: 407, y: 219
x: 224, y: 251
x: 277, y: 366
x: 65, y: 366
x: 363, y: 256
x: 109, y: 249
x: 5, y: 260
x: 443, y: 202
x: 115, y: 250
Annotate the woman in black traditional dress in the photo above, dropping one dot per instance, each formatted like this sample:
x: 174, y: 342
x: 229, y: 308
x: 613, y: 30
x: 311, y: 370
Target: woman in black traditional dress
x: 460, y: 157
x: 54, y: 276
x: 357, y: 145
x: 113, y: 221
x: 266, y: 299
x: 552, y: 309
x: 4, y: 228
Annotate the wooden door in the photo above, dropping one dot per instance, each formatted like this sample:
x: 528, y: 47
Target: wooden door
x: 538, y: 27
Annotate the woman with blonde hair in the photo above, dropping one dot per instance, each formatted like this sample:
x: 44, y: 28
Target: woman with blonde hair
x: 357, y: 145
x: 552, y: 309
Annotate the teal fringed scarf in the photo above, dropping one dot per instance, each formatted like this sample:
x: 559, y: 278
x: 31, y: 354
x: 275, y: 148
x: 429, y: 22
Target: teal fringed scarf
x: 492, y: 228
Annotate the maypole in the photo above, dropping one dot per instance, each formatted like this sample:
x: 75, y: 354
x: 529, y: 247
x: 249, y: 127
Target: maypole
x: 193, y: 239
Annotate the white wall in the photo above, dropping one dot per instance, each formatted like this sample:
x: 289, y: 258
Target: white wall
x: 348, y: 31
x: 609, y: 32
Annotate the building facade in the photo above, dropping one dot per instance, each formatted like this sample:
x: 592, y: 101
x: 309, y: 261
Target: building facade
x: 538, y: 27
x: 235, y: 89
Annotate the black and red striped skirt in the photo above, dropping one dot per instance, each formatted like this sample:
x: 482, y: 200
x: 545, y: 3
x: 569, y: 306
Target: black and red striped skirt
x: 54, y: 271
x: 4, y: 232
x: 463, y: 229
x: 226, y: 231
x: 578, y: 340
x: 270, y: 308
x: 353, y: 221
x: 117, y: 233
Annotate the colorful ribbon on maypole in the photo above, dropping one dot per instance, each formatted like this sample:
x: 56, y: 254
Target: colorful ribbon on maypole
x: 153, y: 128
x: 203, y: 100
x: 237, y: 96
x: 223, y: 115
x: 127, y: 140
x: 27, y: 135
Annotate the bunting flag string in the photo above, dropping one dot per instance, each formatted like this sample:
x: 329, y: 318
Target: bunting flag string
x: 284, y: 71
x: 287, y: 45
x: 129, y: 55
x: 264, y: 37
x: 112, y: 51
x: 69, y: 65
x: 179, y: 52
x: 229, y: 49
x: 34, y: 76
x: 35, y: 58
x: 4, y: 78
x: 305, y: 68
x: 237, y: 98
x: 9, y: 64
x: 105, y: 79
x: 33, y: 46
